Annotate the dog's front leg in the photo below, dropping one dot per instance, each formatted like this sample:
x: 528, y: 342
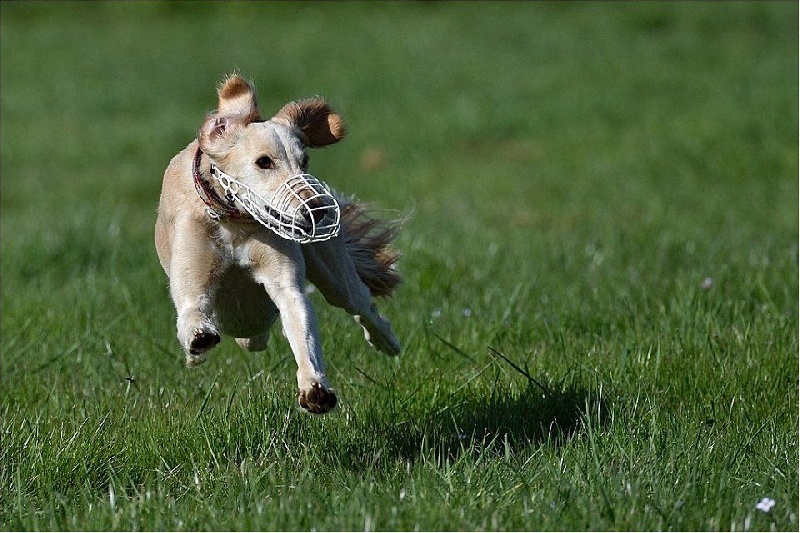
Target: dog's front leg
x: 278, y: 265
x: 192, y: 277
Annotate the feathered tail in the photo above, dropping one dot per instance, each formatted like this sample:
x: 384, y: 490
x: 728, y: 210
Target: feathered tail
x: 368, y: 242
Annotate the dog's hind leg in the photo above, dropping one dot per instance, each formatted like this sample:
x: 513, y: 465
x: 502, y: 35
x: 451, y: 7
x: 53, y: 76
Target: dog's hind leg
x: 192, y: 282
x: 331, y: 269
x: 253, y: 344
x: 258, y: 343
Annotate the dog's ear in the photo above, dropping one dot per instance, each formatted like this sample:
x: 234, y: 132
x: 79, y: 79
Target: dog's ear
x: 315, y: 119
x: 218, y: 134
x: 237, y: 97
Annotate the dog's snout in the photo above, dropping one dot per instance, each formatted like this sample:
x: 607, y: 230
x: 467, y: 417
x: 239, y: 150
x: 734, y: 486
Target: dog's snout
x: 319, y: 209
x: 317, y: 206
x: 301, y: 209
x: 317, y: 215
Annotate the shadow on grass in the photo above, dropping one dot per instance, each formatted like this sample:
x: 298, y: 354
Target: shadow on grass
x: 469, y: 422
x: 500, y: 425
x: 503, y: 424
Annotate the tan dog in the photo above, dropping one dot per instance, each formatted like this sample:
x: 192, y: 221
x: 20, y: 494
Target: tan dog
x: 230, y: 274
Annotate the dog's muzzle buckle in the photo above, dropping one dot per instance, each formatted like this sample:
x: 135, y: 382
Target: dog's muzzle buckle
x: 302, y: 209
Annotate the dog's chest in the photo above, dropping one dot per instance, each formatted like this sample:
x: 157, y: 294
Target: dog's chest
x: 233, y: 246
x: 257, y: 251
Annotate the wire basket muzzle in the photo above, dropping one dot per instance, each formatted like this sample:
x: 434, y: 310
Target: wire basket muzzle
x: 307, y: 209
x: 302, y: 209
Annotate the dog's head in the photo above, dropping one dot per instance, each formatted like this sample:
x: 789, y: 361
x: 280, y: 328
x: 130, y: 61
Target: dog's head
x: 269, y: 155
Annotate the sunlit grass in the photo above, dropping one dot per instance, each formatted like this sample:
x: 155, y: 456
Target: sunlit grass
x: 600, y: 308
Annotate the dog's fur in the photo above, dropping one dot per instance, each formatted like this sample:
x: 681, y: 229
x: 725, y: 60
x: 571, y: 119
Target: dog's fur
x: 234, y: 276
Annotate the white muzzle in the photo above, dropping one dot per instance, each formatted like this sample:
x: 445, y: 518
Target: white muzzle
x: 302, y: 209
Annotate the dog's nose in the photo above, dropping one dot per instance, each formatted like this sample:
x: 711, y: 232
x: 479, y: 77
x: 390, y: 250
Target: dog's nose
x: 317, y: 216
x: 319, y: 210
x: 316, y: 202
x: 314, y: 210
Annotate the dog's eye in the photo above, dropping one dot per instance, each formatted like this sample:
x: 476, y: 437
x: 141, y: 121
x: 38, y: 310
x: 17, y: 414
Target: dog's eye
x: 264, y: 162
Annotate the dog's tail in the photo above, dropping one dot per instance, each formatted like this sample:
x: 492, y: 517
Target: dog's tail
x: 368, y: 242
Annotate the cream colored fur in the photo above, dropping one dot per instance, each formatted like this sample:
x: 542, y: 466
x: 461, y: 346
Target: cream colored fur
x: 234, y: 276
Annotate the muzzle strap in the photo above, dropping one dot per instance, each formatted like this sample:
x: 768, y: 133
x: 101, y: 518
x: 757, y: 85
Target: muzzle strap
x: 217, y: 207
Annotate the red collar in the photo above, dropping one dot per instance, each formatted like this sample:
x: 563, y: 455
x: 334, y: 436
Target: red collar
x: 217, y: 207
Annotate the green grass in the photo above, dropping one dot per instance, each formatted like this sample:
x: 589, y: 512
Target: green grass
x: 574, y: 173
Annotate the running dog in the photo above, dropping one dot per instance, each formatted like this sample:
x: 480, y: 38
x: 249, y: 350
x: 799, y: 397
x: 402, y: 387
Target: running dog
x: 241, y: 227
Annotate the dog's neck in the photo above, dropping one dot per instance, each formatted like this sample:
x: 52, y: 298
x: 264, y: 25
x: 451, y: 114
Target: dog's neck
x: 218, y: 205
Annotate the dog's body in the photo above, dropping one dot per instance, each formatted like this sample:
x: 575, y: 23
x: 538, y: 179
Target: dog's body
x: 230, y: 274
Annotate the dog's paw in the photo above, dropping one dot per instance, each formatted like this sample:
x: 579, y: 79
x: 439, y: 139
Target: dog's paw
x: 203, y: 339
x: 387, y: 345
x: 317, y: 399
x: 253, y: 344
x: 383, y: 341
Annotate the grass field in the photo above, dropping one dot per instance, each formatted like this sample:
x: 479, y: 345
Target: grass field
x: 600, y: 313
